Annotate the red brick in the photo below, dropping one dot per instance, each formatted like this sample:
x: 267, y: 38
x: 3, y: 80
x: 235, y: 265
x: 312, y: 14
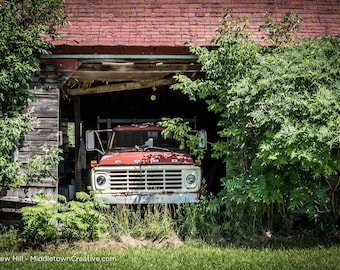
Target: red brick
x: 173, y: 22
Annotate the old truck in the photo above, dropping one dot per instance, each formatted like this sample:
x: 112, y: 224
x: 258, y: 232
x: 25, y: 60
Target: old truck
x: 140, y: 166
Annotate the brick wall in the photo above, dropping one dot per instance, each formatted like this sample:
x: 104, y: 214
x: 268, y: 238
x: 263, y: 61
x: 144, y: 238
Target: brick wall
x: 174, y: 22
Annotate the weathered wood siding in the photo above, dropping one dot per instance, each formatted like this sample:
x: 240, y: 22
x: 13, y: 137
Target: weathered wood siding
x: 45, y: 133
x: 46, y: 110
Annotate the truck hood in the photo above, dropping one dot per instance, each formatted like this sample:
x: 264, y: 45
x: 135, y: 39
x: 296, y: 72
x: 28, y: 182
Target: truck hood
x: 136, y: 158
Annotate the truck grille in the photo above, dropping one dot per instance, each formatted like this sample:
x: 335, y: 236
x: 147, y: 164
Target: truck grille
x: 143, y: 180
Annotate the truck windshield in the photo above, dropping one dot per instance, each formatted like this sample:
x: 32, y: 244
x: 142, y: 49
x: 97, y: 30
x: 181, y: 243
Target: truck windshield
x: 133, y: 138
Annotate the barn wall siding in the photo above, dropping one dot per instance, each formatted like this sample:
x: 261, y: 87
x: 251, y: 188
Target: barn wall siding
x: 46, y: 110
x: 45, y: 133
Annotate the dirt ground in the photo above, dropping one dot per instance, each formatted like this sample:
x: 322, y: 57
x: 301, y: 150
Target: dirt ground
x: 127, y: 241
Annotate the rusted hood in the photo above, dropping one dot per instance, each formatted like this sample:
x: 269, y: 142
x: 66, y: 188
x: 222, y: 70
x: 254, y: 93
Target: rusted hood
x: 136, y: 158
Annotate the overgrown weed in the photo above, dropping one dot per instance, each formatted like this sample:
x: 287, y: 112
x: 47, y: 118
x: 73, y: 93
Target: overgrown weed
x: 10, y: 239
x: 150, y: 221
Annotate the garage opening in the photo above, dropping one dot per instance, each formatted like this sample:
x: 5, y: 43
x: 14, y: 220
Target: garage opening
x: 106, y: 91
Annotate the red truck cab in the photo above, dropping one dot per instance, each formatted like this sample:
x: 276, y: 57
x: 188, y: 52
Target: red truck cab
x: 140, y: 166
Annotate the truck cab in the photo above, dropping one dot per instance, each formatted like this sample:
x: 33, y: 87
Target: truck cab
x: 140, y: 166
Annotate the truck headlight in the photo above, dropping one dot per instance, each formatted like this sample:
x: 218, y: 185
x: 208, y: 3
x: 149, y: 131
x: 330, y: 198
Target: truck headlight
x: 101, y: 180
x: 191, y: 178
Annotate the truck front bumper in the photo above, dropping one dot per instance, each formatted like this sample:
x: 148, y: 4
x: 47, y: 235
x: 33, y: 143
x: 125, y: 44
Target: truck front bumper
x: 150, y: 198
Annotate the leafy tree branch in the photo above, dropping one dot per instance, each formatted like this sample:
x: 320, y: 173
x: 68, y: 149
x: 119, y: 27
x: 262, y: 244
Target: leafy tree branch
x: 24, y: 27
x: 279, y: 115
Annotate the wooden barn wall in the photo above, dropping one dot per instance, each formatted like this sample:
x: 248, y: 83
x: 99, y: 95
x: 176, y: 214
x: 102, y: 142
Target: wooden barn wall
x: 45, y: 133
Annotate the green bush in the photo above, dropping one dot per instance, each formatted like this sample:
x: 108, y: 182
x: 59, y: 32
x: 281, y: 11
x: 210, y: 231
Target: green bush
x: 83, y: 218
x: 40, y: 224
x: 10, y: 239
x: 24, y: 27
x: 278, y: 108
x: 59, y: 221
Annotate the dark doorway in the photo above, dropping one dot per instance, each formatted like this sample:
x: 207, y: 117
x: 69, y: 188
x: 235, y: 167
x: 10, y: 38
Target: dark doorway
x: 150, y: 103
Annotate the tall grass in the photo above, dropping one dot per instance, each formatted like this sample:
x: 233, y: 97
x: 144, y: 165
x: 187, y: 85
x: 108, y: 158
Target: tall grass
x: 194, y: 221
x: 151, y: 221
x: 158, y: 221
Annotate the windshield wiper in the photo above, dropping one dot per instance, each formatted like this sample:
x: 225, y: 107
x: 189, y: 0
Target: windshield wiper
x: 156, y: 148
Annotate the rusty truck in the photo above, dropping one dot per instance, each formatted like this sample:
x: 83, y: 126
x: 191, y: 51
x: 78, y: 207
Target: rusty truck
x: 138, y: 165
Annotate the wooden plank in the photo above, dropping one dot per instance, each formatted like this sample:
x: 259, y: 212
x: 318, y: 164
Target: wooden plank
x: 52, y: 100
x: 40, y: 92
x: 120, y: 87
x: 25, y: 156
x: 43, y: 100
x: 77, y: 119
x: 30, y: 148
x: 45, y: 111
x: 109, y: 76
x: 47, y: 123
x: 137, y: 67
x: 137, y: 72
x: 27, y: 192
x: 43, y: 135
x: 36, y: 144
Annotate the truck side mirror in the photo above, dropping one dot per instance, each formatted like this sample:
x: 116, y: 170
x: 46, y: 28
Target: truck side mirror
x: 90, y: 140
x: 94, y: 142
x: 203, y: 139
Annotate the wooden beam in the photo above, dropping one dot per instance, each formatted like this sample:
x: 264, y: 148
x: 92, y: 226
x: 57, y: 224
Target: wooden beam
x: 77, y: 119
x: 115, y: 76
x: 120, y: 87
x: 135, y: 67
